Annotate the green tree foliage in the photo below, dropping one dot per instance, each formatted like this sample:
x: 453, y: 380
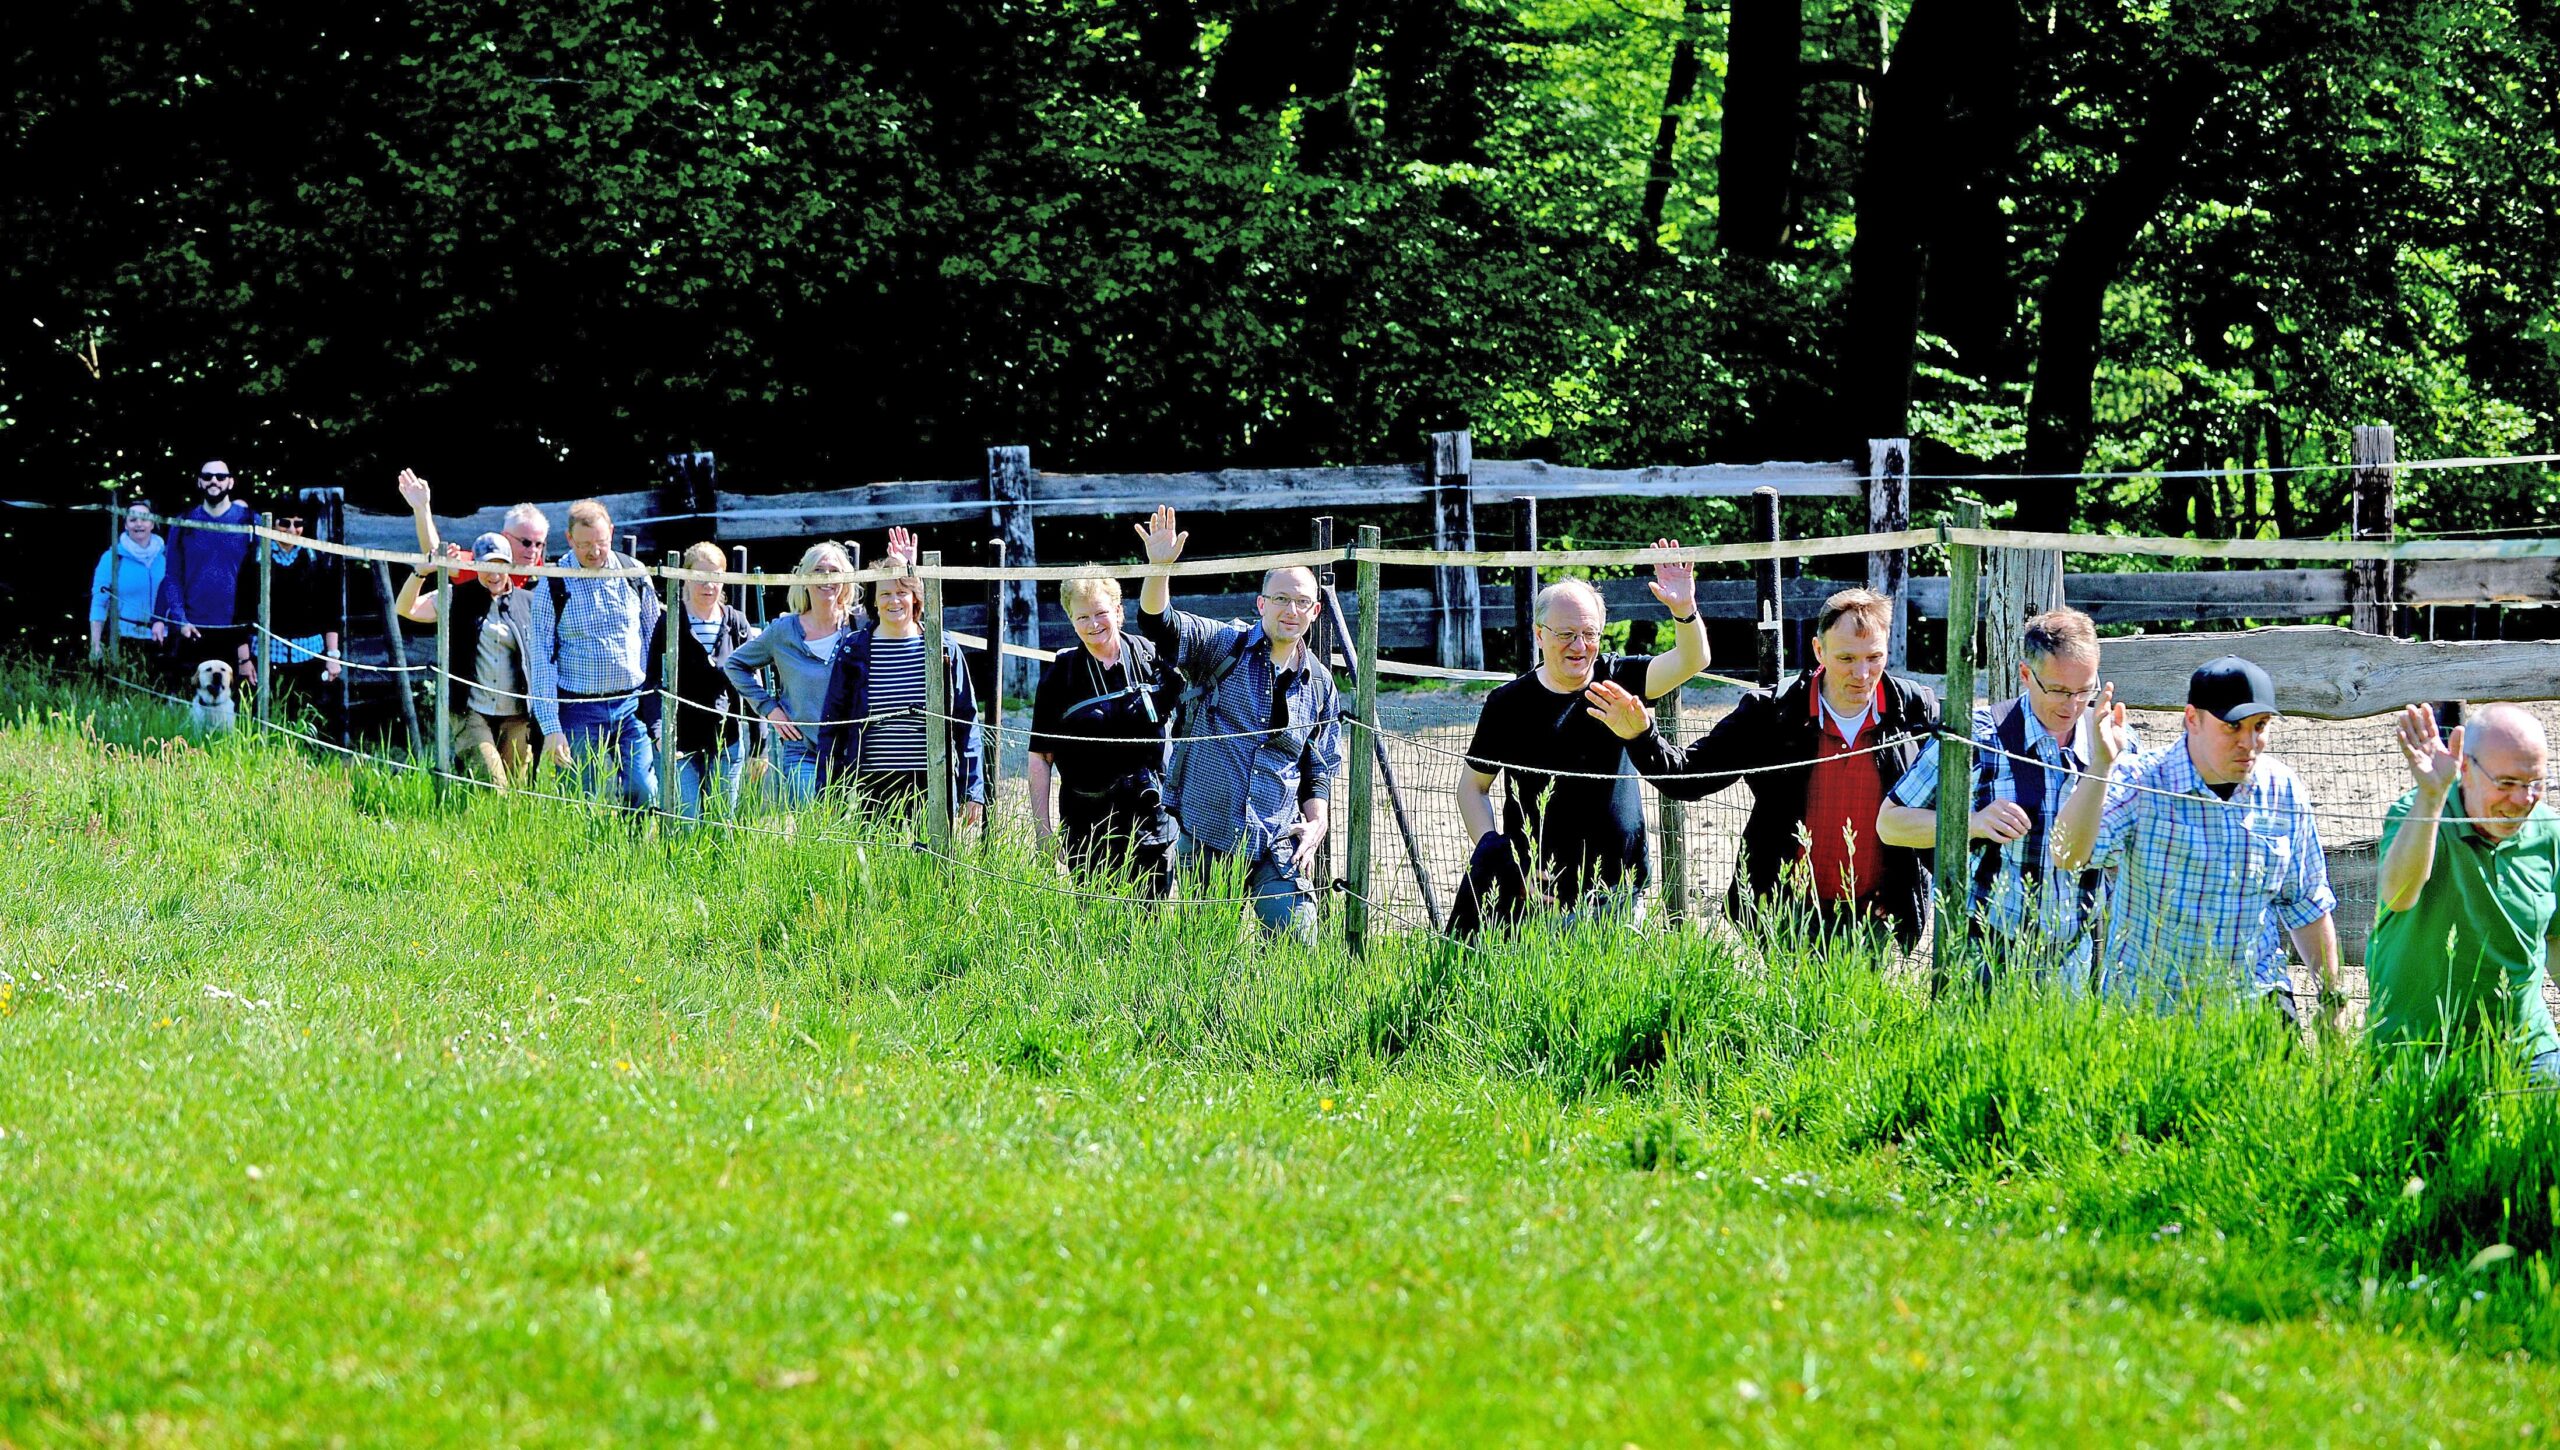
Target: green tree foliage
x: 538, y: 244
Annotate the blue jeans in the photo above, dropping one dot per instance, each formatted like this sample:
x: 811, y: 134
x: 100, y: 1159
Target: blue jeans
x: 721, y: 771
x: 795, y: 771
x: 612, y: 729
x: 1282, y: 900
x: 2543, y: 1070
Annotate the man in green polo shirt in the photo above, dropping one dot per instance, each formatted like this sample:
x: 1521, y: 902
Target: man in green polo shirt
x: 2467, y: 900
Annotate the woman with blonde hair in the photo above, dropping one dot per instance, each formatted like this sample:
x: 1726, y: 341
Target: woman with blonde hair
x: 710, y: 733
x: 801, y: 646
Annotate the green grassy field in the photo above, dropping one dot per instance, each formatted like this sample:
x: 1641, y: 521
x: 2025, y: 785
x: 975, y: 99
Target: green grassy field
x: 330, y: 1112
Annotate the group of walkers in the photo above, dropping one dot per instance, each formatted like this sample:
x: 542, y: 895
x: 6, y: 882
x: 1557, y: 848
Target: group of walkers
x: 1171, y: 744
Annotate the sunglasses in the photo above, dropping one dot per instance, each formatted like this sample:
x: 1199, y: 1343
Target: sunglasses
x: 290, y: 524
x: 209, y: 476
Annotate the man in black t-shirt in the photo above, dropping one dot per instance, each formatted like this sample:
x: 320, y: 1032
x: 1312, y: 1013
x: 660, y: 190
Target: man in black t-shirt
x: 1108, y: 690
x: 1572, y: 825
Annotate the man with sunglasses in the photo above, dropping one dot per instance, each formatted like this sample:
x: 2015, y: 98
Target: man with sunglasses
x: 2029, y: 753
x: 1571, y: 834
x: 1256, y: 743
x: 2461, y: 940
x: 200, y: 594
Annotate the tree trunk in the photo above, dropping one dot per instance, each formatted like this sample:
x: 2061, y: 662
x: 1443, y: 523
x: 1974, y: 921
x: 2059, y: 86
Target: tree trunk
x: 1905, y: 151
x: 1763, y: 124
x: 2060, y: 422
x: 1675, y: 97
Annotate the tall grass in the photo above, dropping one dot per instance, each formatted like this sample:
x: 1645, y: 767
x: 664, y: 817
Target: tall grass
x: 2327, y: 1175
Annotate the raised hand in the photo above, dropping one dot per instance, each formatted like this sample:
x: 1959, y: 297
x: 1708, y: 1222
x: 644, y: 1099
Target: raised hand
x: 2113, y: 737
x: 413, y: 490
x: 2435, y: 766
x: 903, y: 547
x: 1163, y: 542
x: 1675, y: 584
x: 1617, y: 707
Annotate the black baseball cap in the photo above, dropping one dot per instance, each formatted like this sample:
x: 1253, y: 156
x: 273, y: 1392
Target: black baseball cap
x: 2232, y: 689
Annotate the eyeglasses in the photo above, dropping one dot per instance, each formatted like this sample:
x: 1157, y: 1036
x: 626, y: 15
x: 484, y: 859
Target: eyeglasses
x: 2528, y: 785
x: 1573, y: 636
x: 2082, y: 696
x: 208, y: 476
x: 1292, y: 603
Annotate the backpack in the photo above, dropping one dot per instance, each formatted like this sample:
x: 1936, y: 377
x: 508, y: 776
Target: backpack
x: 2009, y: 731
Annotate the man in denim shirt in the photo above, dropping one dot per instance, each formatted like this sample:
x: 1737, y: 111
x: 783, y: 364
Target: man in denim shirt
x: 1259, y: 790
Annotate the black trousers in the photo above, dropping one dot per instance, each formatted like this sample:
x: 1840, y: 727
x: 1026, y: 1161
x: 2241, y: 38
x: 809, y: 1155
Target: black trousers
x: 1116, y: 844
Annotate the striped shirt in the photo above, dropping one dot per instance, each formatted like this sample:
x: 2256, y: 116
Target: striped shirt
x: 596, y: 646
x: 897, y: 683
x: 2208, y: 887
x: 1284, y: 747
x: 2052, y: 912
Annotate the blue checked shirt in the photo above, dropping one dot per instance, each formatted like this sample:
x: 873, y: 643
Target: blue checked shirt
x: 603, y: 639
x: 1244, y: 792
x: 2013, y: 913
x: 2208, y: 887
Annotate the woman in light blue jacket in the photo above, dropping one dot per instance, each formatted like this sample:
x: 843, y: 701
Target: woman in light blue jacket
x: 801, y: 647
x: 128, y: 580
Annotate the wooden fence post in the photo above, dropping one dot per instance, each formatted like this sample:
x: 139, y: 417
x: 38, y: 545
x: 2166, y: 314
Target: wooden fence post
x: 399, y: 650
x: 1768, y: 588
x: 1888, y: 512
x: 333, y: 527
x: 990, y: 678
x: 1364, y: 709
x: 2016, y: 584
x: 1955, y: 754
x: 937, y: 705
x: 669, y: 807
x: 1453, y: 516
x: 2370, y: 582
x: 262, y: 646
x: 115, y: 585
x: 1524, y: 582
x: 1009, y: 490
x: 1320, y: 535
x: 442, y: 681
x: 1675, y: 824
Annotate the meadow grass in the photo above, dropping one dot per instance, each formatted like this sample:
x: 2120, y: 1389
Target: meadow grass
x: 330, y: 1110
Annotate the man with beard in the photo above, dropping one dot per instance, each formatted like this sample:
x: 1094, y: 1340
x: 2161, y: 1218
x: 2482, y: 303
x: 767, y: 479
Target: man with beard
x: 1572, y: 827
x: 2461, y: 943
x: 1257, y: 745
x: 200, y: 593
x: 1098, y: 727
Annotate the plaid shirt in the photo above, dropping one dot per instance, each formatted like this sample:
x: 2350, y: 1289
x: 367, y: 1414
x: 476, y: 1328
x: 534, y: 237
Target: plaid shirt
x: 603, y: 639
x: 2209, y: 888
x: 2053, y: 912
x: 1245, y: 792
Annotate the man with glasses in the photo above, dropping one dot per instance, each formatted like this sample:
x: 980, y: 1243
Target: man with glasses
x: 201, y: 591
x: 2219, y: 859
x: 587, y: 662
x: 2461, y: 943
x: 2029, y: 753
x: 1252, y: 782
x: 1571, y: 834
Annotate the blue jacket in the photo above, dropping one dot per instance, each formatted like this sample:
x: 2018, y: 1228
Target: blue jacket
x: 849, y: 698
x: 203, y: 583
x: 132, y: 583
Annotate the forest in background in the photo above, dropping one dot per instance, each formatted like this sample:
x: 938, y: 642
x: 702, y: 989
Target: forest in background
x: 534, y: 247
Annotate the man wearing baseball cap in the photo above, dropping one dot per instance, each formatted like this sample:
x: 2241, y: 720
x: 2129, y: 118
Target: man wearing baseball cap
x: 2219, y: 860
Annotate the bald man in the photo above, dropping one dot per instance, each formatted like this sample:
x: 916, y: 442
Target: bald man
x: 2461, y: 940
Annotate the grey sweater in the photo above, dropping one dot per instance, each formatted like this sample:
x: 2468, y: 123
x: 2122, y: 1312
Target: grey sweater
x: 802, y: 671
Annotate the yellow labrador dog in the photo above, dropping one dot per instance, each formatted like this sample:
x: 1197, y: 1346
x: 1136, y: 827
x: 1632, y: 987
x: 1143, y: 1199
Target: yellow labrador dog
x: 212, y: 711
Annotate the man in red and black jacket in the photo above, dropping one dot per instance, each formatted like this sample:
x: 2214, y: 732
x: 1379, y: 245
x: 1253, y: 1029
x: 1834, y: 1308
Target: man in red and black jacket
x: 1843, y: 733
